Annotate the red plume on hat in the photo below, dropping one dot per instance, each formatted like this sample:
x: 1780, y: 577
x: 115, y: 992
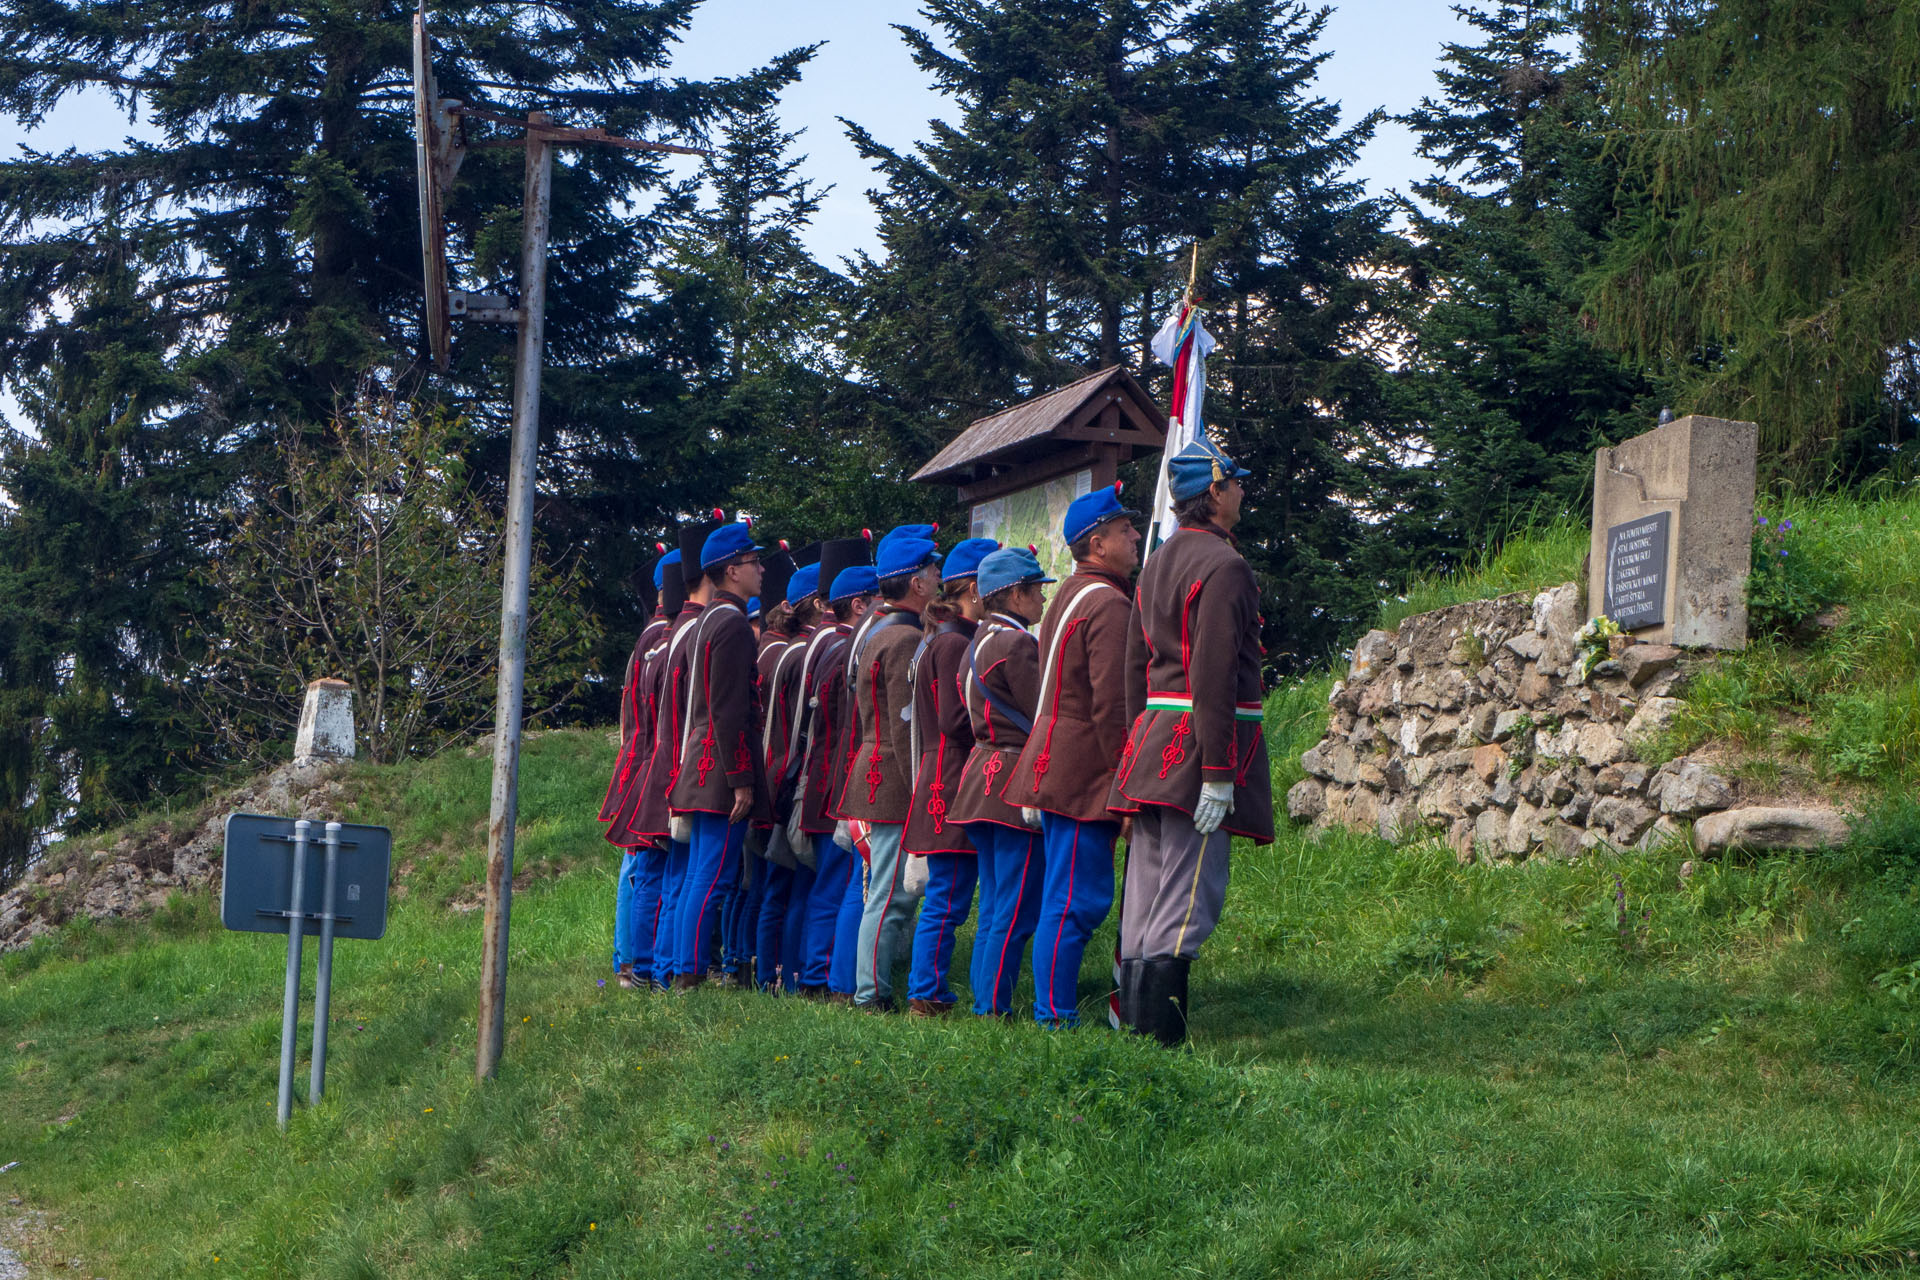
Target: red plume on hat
x: 718, y: 514
x: 867, y: 534
x: 660, y: 548
x: 784, y: 546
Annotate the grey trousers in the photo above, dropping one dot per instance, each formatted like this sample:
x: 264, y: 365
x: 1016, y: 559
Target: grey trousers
x: 886, y: 920
x: 1176, y: 884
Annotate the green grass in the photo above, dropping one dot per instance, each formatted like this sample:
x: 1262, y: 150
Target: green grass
x: 1401, y: 1067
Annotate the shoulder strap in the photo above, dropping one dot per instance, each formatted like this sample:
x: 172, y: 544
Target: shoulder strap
x: 773, y: 692
x: 1012, y: 716
x: 1060, y: 641
x: 686, y: 724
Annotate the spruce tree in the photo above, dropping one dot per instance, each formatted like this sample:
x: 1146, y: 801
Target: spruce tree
x: 167, y: 309
x: 1046, y: 231
x: 1512, y: 390
x: 1772, y: 263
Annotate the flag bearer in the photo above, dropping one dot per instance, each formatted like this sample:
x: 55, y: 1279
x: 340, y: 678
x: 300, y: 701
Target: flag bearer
x: 1194, y: 769
x: 942, y: 738
x: 721, y: 784
x: 846, y: 601
x: 1079, y: 730
x: 878, y: 788
x: 1000, y: 683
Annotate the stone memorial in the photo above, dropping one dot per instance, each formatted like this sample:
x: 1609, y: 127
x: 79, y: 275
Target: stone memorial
x: 1672, y: 539
x: 326, y: 723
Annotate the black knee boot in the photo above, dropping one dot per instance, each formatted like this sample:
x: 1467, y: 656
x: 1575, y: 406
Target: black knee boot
x: 1130, y: 975
x: 1162, y: 1009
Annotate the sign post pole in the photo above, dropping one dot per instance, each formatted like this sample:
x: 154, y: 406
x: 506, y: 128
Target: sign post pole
x: 513, y: 599
x: 323, y: 973
x: 290, y: 1003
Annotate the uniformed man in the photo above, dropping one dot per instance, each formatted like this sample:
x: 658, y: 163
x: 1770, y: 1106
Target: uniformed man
x: 790, y: 874
x: 740, y: 909
x: 642, y: 864
x: 644, y: 817
x: 1079, y: 730
x: 721, y: 783
x: 858, y: 589
x: 1000, y: 684
x: 1194, y: 770
x: 823, y: 679
x: 943, y: 737
x: 879, y: 786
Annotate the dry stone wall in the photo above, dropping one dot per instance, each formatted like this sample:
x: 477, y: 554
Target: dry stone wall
x: 1474, y: 721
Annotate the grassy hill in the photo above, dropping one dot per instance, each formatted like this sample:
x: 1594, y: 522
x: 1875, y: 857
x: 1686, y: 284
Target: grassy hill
x: 1620, y: 1067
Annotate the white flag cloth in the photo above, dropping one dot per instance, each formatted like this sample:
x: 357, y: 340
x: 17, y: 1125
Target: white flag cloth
x: 1184, y: 343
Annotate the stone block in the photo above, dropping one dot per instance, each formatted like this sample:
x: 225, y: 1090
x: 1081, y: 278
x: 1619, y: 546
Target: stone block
x: 1558, y: 617
x: 1368, y: 774
x: 1441, y: 800
x: 1475, y: 795
x: 1652, y: 717
x: 1528, y: 645
x: 1314, y: 760
x: 1409, y: 736
x: 1625, y: 818
x: 326, y: 723
x: 1397, y: 820
x: 1490, y: 829
x: 1489, y: 762
x: 1645, y: 661
x: 1507, y: 722
x: 1599, y: 745
x: 1535, y: 687
x: 1372, y: 655
x: 1701, y: 472
x: 1523, y: 829
x: 1481, y: 719
x: 1626, y: 778
x: 1306, y: 800
x: 1769, y: 827
x: 1686, y: 787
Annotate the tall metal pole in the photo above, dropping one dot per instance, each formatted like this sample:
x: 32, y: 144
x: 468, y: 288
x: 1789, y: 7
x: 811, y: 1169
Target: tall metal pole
x: 513, y: 595
x: 290, y: 1002
x: 323, y: 970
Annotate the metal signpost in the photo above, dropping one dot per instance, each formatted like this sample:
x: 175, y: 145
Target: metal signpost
x: 438, y: 152
x: 268, y: 881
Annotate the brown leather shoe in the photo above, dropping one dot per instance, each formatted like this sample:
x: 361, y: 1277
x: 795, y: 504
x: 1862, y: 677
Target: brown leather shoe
x: 812, y: 993
x: 839, y: 997
x: 624, y: 976
x: 929, y: 1008
x: 688, y: 981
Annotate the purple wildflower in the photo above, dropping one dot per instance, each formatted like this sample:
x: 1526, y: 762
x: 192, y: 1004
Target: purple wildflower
x: 1783, y: 553
x: 1786, y: 526
x: 1763, y: 522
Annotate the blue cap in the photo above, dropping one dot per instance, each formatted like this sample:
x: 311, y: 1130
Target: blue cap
x: 753, y: 606
x: 804, y: 582
x: 728, y: 542
x: 660, y: 569
x: 964, y: 560
x: 1009, y: 567
x: 1091, y: 510
x: 899, y: 555
x: 924, y: 531
x: 1195, y: 468
x: 860, y: 580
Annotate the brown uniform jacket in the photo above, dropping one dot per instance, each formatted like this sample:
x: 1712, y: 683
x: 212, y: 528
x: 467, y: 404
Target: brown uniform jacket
x: 1008, y: 661
x: 719, y: 742
x: 1193, y: 684
x: 636, y: 720
x: 879, y: 782
x: 1080, y: 727
x: 780, y: 664
x: 643, y: 816
x: 946, y: 737
x: 823, y: 734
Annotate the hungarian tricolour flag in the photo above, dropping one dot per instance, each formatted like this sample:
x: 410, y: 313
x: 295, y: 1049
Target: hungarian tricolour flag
x: 1184, y: 343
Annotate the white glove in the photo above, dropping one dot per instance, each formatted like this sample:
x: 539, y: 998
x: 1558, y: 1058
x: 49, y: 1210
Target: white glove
x: 1031, y: 817
x: 843, y: 836
x: 1216, y: 802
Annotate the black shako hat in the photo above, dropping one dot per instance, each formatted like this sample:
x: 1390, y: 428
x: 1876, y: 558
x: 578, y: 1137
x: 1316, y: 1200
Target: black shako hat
x: 693, y: 536
x: 838, y: 555
x: 777, y: 567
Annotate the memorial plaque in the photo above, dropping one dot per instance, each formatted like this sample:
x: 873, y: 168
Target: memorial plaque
x: 1637, y: 571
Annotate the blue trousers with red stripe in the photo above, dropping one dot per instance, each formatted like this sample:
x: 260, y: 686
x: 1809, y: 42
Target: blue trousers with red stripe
x: 1010, y: 871
x: 643, y: 872
x: 834, y: 866
x: 1075, y: 897
x: 713, y: 871
x: 949, y: 900
x: 843, y: 975
x: 793, y: 928
x: 673, y: 879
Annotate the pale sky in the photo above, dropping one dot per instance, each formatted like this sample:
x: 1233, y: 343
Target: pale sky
x: 1384, y: 53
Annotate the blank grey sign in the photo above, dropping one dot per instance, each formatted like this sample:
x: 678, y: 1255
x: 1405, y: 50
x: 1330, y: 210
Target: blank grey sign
x: 256, y: 886
x: 1637, y: 571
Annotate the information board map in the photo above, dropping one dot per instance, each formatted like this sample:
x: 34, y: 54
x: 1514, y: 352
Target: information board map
x: 1032, y: 517
x: 1637, y: 571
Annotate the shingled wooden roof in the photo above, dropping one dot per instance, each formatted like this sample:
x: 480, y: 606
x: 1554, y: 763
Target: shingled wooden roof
x: 1107, y: 413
